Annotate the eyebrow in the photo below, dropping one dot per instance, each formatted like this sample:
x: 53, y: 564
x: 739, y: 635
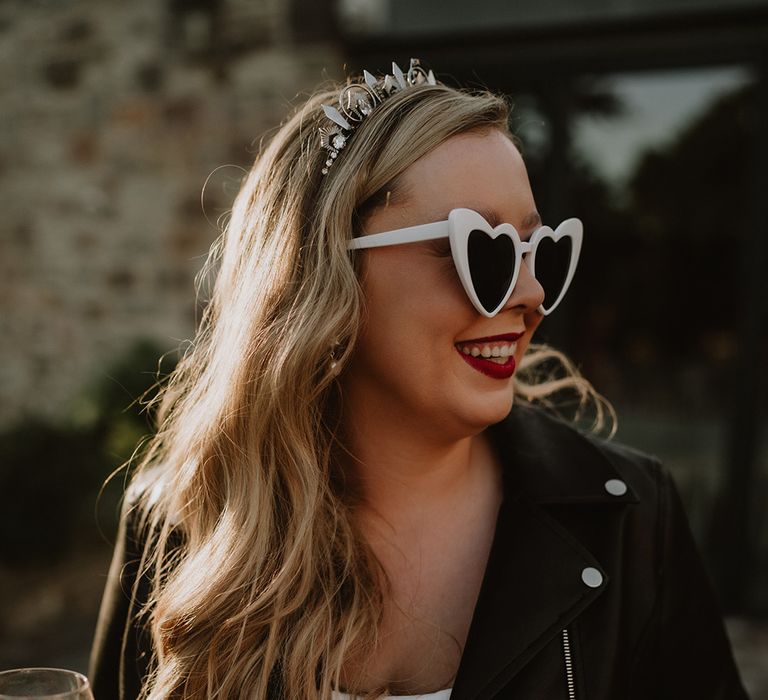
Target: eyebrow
x: 530, y: 222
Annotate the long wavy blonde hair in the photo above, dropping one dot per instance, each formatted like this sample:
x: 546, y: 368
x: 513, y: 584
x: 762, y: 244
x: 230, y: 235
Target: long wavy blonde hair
x: 273, y: 587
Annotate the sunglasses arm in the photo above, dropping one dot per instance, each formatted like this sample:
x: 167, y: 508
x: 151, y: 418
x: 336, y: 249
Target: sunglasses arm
x: 412, y: 234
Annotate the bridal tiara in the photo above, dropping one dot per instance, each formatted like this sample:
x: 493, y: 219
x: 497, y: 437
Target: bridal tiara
x: 357, y: 101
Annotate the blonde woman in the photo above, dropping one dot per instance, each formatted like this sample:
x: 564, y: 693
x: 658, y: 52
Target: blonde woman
x: 351, y: 491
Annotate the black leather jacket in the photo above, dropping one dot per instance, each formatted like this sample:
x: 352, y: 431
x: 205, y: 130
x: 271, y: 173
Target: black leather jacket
x: 594, y: 587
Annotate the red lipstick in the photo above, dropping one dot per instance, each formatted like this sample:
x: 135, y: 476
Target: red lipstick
x: 487, y: 366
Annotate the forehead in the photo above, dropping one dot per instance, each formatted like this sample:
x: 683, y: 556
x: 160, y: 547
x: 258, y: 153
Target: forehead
x: 483, y: 171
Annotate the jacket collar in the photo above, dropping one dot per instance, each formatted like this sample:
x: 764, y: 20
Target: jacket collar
x: 533, y: 587
x: 548, y: 461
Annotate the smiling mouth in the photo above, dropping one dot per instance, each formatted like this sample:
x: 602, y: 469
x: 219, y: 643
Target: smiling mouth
x: 494, y: 355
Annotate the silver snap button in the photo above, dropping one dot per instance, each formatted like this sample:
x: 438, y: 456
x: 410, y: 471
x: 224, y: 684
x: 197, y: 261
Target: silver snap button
x: 616, y: 487
x: 592, y: 577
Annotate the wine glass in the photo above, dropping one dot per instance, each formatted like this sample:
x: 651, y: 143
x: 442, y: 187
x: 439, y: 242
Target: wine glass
x: 43, y: 684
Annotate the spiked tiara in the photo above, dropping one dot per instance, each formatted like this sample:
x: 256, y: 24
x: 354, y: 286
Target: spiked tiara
x: 357, y: 101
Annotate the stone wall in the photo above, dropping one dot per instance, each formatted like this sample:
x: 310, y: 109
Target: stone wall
x: 113, y: 116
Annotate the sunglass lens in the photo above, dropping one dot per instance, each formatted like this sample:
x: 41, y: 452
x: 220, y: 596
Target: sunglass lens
x: 491, y: 267
x: 552, y: 262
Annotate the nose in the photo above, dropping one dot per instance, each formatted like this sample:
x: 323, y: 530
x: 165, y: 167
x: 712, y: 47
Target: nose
x: 528, y: 293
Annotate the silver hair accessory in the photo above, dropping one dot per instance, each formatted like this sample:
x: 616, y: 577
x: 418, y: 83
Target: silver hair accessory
x: 357, y: 100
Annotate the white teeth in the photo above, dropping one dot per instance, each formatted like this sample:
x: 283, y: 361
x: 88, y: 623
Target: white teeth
x: 498, y: 351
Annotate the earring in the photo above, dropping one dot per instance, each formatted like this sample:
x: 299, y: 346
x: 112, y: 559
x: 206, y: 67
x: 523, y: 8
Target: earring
x: 334, y: 367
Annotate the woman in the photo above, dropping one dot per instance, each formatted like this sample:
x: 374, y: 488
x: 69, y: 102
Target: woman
x: 350, y: 491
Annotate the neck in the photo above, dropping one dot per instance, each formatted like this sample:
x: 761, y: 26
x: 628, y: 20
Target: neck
x: 403, y: 466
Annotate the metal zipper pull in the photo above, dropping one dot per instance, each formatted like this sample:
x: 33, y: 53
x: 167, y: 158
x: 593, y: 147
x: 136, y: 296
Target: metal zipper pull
x: 568, y: 665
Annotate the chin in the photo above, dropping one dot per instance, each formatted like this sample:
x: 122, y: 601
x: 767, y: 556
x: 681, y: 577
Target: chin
x: 491, y: 412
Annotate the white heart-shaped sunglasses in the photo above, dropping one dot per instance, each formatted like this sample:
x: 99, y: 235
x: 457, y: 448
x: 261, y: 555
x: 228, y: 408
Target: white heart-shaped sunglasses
x: 488, y: 259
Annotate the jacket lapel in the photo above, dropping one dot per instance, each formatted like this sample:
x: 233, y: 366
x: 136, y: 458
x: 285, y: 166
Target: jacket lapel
x: 549, y: 461
x: 533, y: 584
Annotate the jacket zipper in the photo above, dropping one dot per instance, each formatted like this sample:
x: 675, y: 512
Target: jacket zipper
x: 568, y: 665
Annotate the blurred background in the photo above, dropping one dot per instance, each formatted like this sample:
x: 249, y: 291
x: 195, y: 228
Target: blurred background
x: 124, y: 131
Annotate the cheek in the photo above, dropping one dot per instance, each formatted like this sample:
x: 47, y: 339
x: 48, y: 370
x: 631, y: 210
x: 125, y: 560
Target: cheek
x: 415, y: 307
